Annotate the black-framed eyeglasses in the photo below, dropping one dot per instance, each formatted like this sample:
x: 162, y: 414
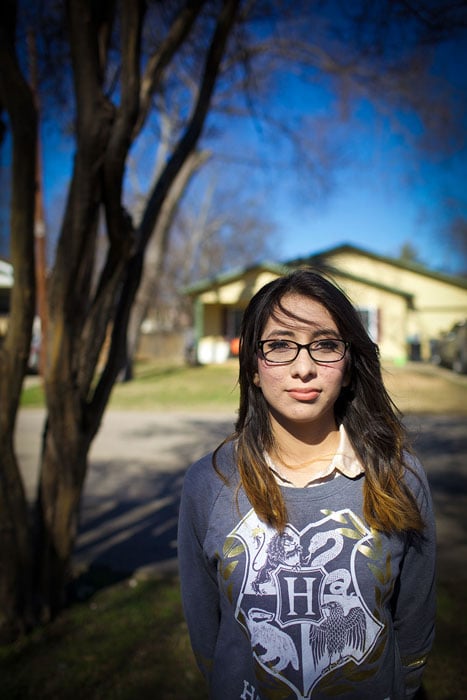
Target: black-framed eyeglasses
x: 282, y: 350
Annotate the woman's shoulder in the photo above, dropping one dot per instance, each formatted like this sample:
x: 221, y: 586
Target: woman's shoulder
x: 415, y: 474
x: 207, y: 482
x: 213, y: 469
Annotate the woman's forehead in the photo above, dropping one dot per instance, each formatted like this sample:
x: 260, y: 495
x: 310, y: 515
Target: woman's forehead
x: 298, y: 311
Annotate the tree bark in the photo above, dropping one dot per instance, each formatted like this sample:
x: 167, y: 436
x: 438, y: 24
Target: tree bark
x: 16, y: 565
x: 78, y: 319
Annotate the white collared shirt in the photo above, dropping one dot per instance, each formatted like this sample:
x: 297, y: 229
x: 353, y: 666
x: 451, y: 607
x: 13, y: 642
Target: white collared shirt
x: 345, y: 462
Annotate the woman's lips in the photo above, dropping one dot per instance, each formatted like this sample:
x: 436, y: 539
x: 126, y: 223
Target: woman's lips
x: 304, y: 394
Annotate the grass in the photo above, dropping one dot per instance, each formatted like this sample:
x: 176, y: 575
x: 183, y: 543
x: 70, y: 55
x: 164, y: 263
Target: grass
x: 422, y: 388
x: 129, y: 639
x: 164, y: 387
x: 126, y: 641
x: 208, y: 387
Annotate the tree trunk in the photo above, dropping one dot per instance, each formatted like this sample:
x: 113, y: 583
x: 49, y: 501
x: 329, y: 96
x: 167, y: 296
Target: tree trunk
x: 16, y: 583
x: 58, y: 507
x: 82, y: 311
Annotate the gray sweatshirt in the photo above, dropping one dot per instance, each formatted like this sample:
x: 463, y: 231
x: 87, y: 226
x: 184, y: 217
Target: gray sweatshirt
x: 327, y: 609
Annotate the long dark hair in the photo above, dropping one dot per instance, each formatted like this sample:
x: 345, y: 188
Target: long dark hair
x: 367, y: 412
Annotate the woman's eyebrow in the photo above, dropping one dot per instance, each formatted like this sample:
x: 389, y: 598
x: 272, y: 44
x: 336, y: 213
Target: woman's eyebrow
x: 326, y: 333
x: 280, y: 332
x: 316, y: 333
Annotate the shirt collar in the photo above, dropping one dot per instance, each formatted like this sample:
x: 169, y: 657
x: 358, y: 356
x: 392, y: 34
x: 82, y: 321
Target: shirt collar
x: 345, y: 462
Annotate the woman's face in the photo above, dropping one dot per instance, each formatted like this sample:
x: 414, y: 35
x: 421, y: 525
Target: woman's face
x: 303, y: 392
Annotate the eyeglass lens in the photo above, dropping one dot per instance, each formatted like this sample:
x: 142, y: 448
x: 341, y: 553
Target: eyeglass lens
x: 326, y: 350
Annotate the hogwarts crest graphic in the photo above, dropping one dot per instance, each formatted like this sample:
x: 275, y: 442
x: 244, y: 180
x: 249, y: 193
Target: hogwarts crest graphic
x: 300, y: 601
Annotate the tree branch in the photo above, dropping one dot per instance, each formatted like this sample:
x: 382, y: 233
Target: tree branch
x: 118, y: 229
x: 196, y: 122
x: 187, y: 143
x: 161, y: 58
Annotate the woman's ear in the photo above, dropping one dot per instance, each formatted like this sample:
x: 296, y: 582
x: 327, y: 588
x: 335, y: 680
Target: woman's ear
x: 256, y: 379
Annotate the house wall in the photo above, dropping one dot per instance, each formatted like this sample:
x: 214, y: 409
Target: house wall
x: 407, y: 308
x: 239, y: 291
x: 390, y: 310
x: 437, y: 303
x: 212, y: 345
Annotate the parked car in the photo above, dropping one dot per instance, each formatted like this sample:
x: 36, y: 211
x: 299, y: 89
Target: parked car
x: 450, y: 349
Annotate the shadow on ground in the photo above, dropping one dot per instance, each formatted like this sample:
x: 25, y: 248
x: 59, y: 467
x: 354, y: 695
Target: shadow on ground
x: 441, y: 444
x: 128, y: 520
x: 130, y: 506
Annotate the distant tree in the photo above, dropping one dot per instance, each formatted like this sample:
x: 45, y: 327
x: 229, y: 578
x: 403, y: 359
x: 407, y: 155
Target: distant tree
x: 409, y: 253
x: 457, y: 236
x: 149, y: 289
x: 208, y: 235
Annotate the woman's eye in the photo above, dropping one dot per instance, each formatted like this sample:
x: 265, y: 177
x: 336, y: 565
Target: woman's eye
x: 325, y: 345
x: 278, y: 345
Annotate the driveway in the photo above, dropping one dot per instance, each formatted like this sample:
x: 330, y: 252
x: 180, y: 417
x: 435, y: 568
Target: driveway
x: 137, y: 464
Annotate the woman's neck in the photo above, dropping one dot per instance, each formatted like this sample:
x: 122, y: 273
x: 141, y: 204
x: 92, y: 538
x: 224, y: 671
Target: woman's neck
x: 304, y: 450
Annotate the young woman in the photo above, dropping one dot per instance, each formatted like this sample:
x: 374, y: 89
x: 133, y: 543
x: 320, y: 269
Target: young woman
x: 306, y: 541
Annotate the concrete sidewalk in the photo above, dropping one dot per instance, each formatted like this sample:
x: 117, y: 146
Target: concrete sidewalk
x: 137, y: 464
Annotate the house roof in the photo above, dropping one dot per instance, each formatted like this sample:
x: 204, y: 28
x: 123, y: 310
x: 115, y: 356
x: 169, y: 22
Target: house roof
x: 337, y: 272
x: 233, y: 276
x: 320, y: 258
x: 320, y: 261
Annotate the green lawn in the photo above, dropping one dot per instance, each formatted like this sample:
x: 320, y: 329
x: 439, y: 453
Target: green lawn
x: 164, y: 387
x: 211, y: 387
x: 126, y: 641
x: 415, y: 388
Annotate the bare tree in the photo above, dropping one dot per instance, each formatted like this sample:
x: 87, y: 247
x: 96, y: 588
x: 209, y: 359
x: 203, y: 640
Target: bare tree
x: 209, y: 236
x: 83, y: 311
x: 16, y: 558
x: 156, y: 255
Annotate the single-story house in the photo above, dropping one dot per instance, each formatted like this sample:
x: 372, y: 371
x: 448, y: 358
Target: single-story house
x: 403, y: 305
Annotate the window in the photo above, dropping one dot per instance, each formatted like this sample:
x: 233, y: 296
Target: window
x: 232, y: 322
x: 370, y: 317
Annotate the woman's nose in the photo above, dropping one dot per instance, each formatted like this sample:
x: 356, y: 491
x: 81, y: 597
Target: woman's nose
x: 303, y: 365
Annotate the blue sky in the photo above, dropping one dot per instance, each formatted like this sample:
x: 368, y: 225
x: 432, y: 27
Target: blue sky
x: 382, y: 194
x: 385, y: 191
x: 381, y: 201
x: 374, y: 211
